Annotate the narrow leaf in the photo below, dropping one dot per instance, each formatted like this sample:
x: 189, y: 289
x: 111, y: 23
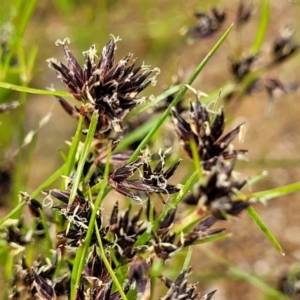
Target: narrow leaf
x: 262, y: 27
x: 256, y: 178
x: 74, y: 146
x: 24, y: 89
x: 256, y: 218
x: 249, y: 278
x: 84, y: 155
x: 274, y: 193
x: 187, y: 260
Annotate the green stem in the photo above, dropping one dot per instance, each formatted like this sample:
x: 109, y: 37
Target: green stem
x: 188, y: 258
x: 256, y: 218
x: 46, y: 229
x: 108, y: 266
x: 73, y: 149
x: 84, y: 155
x: 196, y: 158
x: 24, y: 89
x: 262, y: 27
x: 177, y: 199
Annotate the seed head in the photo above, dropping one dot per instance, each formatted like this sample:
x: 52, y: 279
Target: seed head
x: 207, y: 25
x: 218, y: 194
x: 207, y: 134
x: 152, y: 181
x: 112, y: 89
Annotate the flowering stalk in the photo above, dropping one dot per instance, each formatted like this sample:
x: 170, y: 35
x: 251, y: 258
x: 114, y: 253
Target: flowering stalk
x: 180, y: 94
x: 74, y: 146
x: 84, y: 156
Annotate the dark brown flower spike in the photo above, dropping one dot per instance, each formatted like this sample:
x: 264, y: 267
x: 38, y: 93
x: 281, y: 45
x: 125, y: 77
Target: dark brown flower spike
x: 200, y: 231
x: 126, y: 231
x: 207, y: 25
x: 166, y: 242
x: 78, y: 215
x: 69, y: 109
x: 110, y: 88
x: 242, y: 67
x: 35, y: 207
x: 38, y: 282
x: 206, y: 133
x: 166, y: 222
x: 164, y: 245
x: 274, y: 85
x: 244, y: 12
x: 152, y: 181
x: 95, y: 271
x: 208, y: 296
x: 219, y: 193
x: 289, y: 282
x: 180, y: 288
x: 139, y: 274
x: 284, y: 46
x: 15, y: 233
x: 6, y: 180
x: 43, y: 287
x: 158, y: 178
x: 99, y: 291
x: 120, y: 181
